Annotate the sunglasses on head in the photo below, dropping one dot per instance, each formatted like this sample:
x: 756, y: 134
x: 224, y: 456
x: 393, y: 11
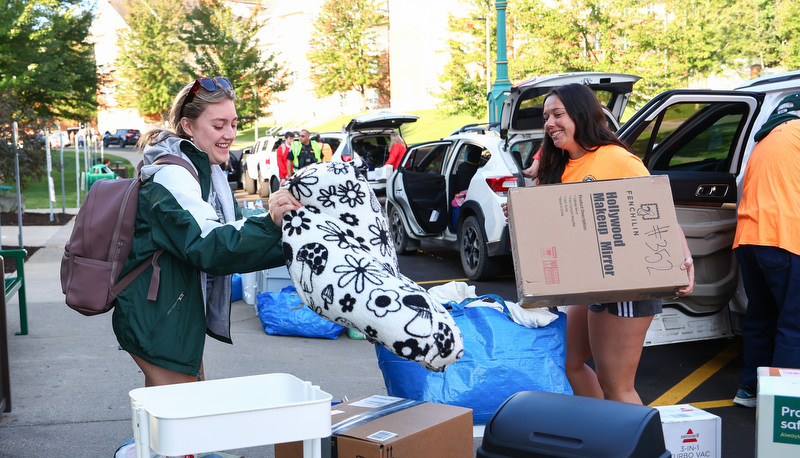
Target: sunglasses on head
x: 209, y: 84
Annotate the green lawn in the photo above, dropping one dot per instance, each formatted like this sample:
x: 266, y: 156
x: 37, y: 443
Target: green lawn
x: 431, y: 125
x: 36, y: 194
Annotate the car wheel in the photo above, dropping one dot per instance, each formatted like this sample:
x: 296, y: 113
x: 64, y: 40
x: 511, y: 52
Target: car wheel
x: 474, y: 253
x: 249, y: 184
x: 403, y: 244
x: 105, y: 144
x: 263, y: 188
x: 274, y: 183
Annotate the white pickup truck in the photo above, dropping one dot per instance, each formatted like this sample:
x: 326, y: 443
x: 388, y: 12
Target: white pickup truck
x: 260, y: 166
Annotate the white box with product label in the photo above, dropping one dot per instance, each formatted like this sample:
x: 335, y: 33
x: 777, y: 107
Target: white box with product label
x: 778, y: 412
x: 691, y: 432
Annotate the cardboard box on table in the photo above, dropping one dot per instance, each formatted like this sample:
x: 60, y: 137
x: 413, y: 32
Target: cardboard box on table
x: 595, y: 241
x: 778, y: 413
x: 385, y: 426
x: 691, y: 432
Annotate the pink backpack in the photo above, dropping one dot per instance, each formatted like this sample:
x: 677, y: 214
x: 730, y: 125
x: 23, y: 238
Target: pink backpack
x: 101, y: 240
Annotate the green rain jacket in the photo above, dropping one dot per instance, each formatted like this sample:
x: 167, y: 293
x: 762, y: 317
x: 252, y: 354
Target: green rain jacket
x: 205, y: 241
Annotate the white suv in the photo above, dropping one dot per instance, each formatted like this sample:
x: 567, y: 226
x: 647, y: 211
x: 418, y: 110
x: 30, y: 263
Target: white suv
x: 420, y: 194
x: 702, y: 140
x: 260, y: 166
x: 366, y: 142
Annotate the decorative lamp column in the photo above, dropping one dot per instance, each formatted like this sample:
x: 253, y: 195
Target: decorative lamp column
x: 502, y: 85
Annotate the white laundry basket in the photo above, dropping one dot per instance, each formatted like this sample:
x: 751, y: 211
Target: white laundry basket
x: 230, y: 413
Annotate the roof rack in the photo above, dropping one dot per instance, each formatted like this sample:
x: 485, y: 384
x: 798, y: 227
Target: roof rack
x: 482, y: 128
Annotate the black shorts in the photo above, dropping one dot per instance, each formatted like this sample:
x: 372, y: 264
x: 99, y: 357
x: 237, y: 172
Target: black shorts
x: 630, y: 309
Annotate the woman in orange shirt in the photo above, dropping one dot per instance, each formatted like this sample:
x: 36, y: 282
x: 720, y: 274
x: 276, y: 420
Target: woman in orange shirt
x: 578, y: 146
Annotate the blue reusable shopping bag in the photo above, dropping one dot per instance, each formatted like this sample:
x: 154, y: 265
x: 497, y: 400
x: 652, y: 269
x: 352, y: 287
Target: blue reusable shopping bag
x: 500, y: 358
x: 284, y: 314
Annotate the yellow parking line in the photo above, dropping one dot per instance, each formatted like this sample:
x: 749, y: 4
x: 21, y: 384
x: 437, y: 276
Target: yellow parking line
x: 428, y: 282
x: 713, y: 404
x: 678, y: 392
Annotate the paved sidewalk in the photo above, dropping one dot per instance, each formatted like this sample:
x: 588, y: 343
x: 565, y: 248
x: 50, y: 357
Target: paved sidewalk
x: 70, y: 383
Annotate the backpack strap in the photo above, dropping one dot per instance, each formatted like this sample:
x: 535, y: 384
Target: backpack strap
x: 155, y: 279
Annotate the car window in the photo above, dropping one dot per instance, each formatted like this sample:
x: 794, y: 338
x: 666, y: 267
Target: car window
x: 692, y: 137
x: 523, y: 152
x: 427, y: 159
x: 529, y: 112
x: 374, y: 149
x: 332, y: 141
x: 468, y: 150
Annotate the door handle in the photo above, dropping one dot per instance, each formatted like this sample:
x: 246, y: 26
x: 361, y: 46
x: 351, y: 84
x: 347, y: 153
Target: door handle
x: 711, y: 190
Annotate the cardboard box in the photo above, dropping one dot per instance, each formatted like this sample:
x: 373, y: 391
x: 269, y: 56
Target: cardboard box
x: 691, y: 432
x: 778, y: 412
x: 596, y: 241
x: 385, y: 427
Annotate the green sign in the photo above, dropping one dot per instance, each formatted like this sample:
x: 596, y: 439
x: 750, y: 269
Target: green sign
x: 786, y: 427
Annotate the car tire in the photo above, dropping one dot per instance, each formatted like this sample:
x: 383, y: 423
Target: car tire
x: 474, y: 252
x: 274, y: 184
x: 249, y: 184
x: 263, y: 188
x: 403, y: 243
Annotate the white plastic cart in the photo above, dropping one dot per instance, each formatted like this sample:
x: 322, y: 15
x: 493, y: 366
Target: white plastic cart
x: 230, y: 413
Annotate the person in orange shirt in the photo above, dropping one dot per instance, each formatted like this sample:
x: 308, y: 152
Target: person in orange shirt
x: 578, y: 146
x: 397, y: 149
x: 327, y: 152
x: 767, y: 246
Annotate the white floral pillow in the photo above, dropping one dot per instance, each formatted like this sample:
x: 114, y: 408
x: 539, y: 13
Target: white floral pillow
x: 341, y: 259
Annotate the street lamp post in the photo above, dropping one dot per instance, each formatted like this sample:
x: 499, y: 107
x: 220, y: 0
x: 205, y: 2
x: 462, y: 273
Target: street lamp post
x: 502, y: 85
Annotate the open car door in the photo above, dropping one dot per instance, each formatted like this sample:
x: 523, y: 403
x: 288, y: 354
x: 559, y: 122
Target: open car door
x: 697, y: 138
x: 420, y: 177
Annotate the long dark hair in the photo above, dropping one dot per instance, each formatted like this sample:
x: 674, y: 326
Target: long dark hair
x: 591, y: 130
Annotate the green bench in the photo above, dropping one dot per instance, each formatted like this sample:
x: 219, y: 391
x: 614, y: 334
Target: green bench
x: 15, y: 284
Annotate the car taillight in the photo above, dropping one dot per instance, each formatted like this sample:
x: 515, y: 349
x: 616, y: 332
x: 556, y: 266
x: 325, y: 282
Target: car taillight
x: 501, y: 185
x: 267, y: 161
x: 129, y: 134
x: 346, y: 158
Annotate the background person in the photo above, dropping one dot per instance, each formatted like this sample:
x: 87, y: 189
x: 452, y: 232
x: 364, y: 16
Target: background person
x: 327, y: 152
x: 767, y: 246
x: 204, y: 241
x: 397, y: 148
x: 578, y: 146
x: 304, y: 151
x: 285, y: 165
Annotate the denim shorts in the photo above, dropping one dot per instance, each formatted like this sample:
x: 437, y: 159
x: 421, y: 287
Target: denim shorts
x: 630, y: 309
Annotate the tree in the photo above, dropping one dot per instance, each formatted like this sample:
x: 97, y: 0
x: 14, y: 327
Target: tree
x: 787, y: 21
x: 47, y: 71
x: 464, y: 76
x: 46, y: 62
x: 345, y: 54
x: 669, y: 43
x: 225, y: 44
x: 151, y: 56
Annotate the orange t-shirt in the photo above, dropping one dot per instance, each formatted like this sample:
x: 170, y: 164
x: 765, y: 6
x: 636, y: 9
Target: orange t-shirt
x: 608, y: 162
x: 769, y: 211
